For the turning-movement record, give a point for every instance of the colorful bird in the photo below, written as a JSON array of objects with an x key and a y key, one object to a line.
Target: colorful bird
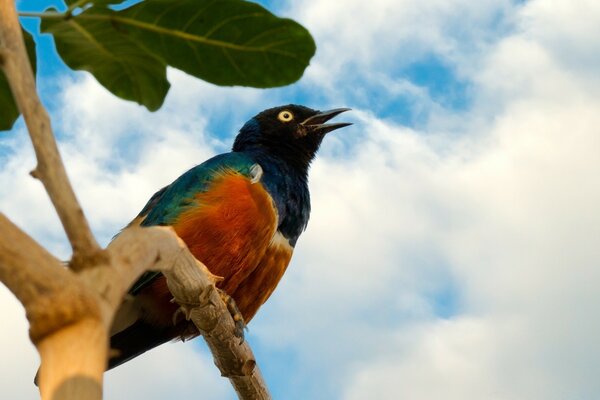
[{"x": 240, "y": 213}]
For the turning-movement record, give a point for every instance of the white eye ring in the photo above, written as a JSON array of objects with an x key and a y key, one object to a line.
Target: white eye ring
[{"x": 285, "y": 116}]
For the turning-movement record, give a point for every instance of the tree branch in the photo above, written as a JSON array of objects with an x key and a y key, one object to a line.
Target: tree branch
[
  {"x": 64, "y": 316},
  {"x": 51, "y": 294},
  {"x": 70, "y": 312},
  {"x": 192, "y": 286},
  {"x": 50, "y": 170}
]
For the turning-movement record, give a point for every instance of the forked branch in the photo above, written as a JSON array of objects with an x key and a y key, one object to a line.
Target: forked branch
[{"x": 70, "y": 311}]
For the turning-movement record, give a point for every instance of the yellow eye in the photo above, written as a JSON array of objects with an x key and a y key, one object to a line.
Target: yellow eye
[{"x": 285, "y": 116}]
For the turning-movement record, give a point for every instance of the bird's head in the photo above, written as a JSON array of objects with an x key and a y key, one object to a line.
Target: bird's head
[{"x": 293, "y": 133}]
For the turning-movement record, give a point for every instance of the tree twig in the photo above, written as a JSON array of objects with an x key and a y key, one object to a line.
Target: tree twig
[
  {"x": 192, "y": 286},
  {"x": 50, "y": 170},
  {"x": 41, "y": 283},
  {"x": 64, "y": 316},
  {"x": 70, "y": 312}
]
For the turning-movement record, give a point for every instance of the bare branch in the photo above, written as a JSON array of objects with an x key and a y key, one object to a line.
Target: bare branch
[
  {"x": 73, "y": 361},
  {"x": 50, "y": 170},
  {"x": 64, "y": 317},
  {"x": 192, "y": 286},
  {"x": 50, "y": 293},
  {"x": 70, "y": 312}
]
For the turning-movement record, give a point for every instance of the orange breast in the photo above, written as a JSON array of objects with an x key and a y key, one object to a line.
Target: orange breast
[
  {"x": 230, "y": 228},
  {"x": 259, "y": 285}
]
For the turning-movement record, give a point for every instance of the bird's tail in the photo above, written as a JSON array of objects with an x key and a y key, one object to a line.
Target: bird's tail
[{"x": 139, "y": 338}]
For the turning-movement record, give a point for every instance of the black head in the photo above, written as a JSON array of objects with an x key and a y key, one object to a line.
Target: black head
[{"x": 293, "y": 133}]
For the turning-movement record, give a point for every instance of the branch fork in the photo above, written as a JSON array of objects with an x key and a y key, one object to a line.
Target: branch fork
[{"x": 70, "y": 310}]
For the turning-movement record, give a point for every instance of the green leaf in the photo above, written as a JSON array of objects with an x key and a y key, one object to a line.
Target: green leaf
[
  {"x": 116, "y": 61},
  {"x": 226, "y": 42},
  {"x": 84, "y": 3},
  {"x": 8, "y": 108}
]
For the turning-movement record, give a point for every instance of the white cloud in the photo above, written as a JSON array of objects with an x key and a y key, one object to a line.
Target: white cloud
[
  {"x": 364, "y": 38},
  {"x": 20, "y": 359},
  {"x": 507, "y": 206},
  {"x": 568, "y": 32},
  {"x": 174, "y": 370}
]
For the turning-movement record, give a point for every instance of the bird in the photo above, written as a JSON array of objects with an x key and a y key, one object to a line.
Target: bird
[{"x": 240, "y": 213}]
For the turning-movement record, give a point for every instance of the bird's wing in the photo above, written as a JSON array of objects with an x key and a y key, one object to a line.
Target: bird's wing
[{"x": 168, "y": 204}]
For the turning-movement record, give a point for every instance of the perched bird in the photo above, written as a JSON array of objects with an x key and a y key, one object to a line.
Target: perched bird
[{"x": 240, "y": 213}]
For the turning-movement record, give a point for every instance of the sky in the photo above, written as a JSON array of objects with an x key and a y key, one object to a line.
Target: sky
[{"x": 452, "y": 250}]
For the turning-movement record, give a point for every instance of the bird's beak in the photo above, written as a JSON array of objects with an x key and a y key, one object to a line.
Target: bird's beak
[{"x": 317, "y": 123}]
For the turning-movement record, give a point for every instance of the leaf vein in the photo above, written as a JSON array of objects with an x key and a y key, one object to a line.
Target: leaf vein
[
  {"x": 226, "y": 21},
  {"x": 234, "y": 64},
  {"x": 87, "y": 35},
  {"x": 199, "y": 13},
  {"x": 175, "y": 33},
  {"x": 264, "y": 33}
]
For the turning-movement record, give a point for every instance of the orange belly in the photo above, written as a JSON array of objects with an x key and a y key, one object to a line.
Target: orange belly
[
  {"x": 258, "y": 286},
  {"x": 231, "y": 231}
]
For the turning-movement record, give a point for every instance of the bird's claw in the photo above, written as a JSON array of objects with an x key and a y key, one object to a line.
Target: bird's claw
[
  {"x": 237, "y": 316},
  {"x": 240, "y": 327}
]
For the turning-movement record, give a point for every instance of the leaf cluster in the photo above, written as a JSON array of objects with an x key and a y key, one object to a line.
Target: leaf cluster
[{"x": 225, "y": 42}]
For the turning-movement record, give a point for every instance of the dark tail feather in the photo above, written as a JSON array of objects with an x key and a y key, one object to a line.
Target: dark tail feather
[{"x": 139, "y": 338}]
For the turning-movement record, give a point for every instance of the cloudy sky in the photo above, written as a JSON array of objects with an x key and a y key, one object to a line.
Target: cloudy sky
[{"x": 453, "y": 250}]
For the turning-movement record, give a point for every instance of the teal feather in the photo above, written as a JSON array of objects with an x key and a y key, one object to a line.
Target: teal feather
[{"x": 165, "y": 206}]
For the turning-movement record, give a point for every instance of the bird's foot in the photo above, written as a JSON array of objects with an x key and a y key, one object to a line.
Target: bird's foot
[{"x": 237, "y": 316}]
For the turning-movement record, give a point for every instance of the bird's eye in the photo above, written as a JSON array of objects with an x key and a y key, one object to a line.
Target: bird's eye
[{"x": 285, "y": 116}]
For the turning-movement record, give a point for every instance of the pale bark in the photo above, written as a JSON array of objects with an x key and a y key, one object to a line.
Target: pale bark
[
  {"x": 50, "y": 169},
  {"x": 65, "y": 319},
  {"x": 70, "y": 313},
  {"x": 192, "y": 286},
  {"x": 70, "y": 310}
]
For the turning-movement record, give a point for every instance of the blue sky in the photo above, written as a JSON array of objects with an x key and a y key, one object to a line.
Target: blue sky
[{"x": 452, "y": 249}]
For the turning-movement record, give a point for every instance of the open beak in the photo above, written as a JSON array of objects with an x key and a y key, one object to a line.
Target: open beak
[{"x": 317, "y": 123}]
